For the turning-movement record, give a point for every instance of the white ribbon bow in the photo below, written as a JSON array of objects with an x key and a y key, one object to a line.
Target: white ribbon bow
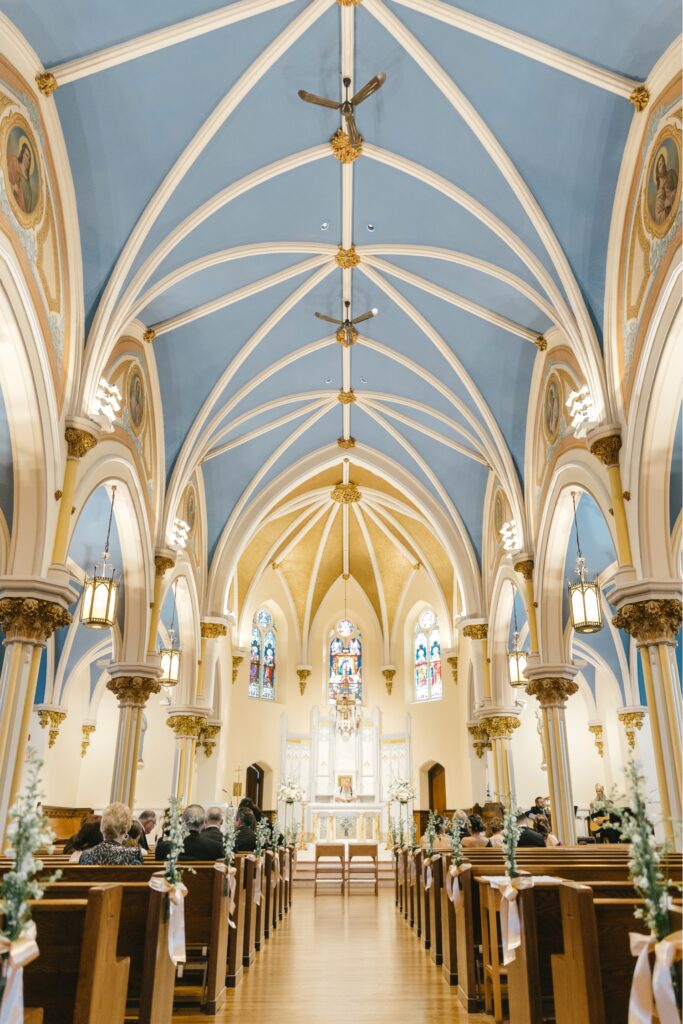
[
  {"x": 656, "y": 989},
  {"x": 428, "y": 876},
  {"x": 258, "y": 867},
  {"x": 413, "y": 872},
  {"x": 18, "y": 954},
  {"x": 231, "y": 879},
  {"x": 286, "y": 868},
  {"x": 510, "y": 927},
  {"x": 275, "y": 873},
  {"x": 176, "y": 916},
  {"x": 453, "y": 889}
]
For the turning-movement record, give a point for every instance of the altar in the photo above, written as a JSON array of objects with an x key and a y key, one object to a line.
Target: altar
[{"x": 352, "y": 821}]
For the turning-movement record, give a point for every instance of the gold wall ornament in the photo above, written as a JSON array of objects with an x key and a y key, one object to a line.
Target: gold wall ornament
[
  {"x": 342, "y": 336},
  {"x": 346, "y": 494},
  {"x": 607, "y": 449},
  {"x": 650, "y": 621},
  {"x": 186, "y": 726},
  {"x": 48, "y": 718},
  {"x": 480, "y": 738},
  {"x": 31, "y": 619},
  {"x": 540, "y": 343},
  {"x": 476, "y": 631},
  {"x": 78, "y": 442},
  {"x": 162, "y": 564},
  {"x": 237, "y": 660},
  {"x": 133, "y": 691},
  {"x": 47, "y": 83},
  {"x": 88, "y": 729},
  {"x": 640, "y": 97},
  {"x": 346, "y": 442},
  {"x": 453, "y": 662},
  {"x": 347, "y": 259},
  {"x": 551, "y": 692},
  {"x": 213, "y": 630},
  {"x": 500, "y": 726},
  {"x": 525, "y": 568},
  {"x": 149, "y": 335},
  {"x": 346, "y": 397},
  {"x": 208, "y": 737},
  {"x": 342, "y": 149},
  {"x": 632, "y": 721},
  {"x": 303, "y": 674},
  {"x": 597, "y": 731},
  {"x": 389, "y": 674},
  {"x": 346, "y": 575}
]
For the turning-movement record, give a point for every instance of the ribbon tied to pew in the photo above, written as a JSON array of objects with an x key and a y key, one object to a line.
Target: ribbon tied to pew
[
  {"x": 231, "y": 882},
  {"x": 176, "y": 919},
  {"x": 17, "y": 954},
  {"x": 510, "y": 927},
  {"x": 286, "y": 869},
  {"x": 275, "y": 873},
  {"x": 413, "y": 871},
  {"x": 401, "y": 870},
  {"x": 428, "y": 874},
  {"x": 453, "y": 890},
  {"x": 650, "y": 990},
  {"x": 258, "y": 869}
]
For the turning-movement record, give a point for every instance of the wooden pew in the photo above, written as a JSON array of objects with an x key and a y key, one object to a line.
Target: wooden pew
[
  {"x": 236, "y": 935},
  {"x": 468, "y": 941},
  {"x": 414, "y": 870},
  {"x": 423, "y": 897},
  {"x": 449, "y": 967},
  {"x": 78, "y": 977},
  {"x": 249, "y": 947},
  {"x": 281, "y": 901},
  {"x": 434, "y": 897}
]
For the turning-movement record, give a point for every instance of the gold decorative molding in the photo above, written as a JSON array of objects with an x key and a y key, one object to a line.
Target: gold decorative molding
[
  {"x": 346, "y": 397},
  {"x": 237, "y": 660},
  {"x": 525, "y": 568},
  {"x": 347, "y": 259},
  {"x": 186, "y": 727},
  {"x": 133, "y": 691},
  {"x": 540, "y": 343},
  {"x": 476, "y": 631},
  {"x": 640, "y": 97},
  {"x": 480, "y": 738},
  {"x": 346, "y": 494},
  {"x": 149, "y": 335},
  {"x": 650, "y": 621},
  {"x": 31, "y": 619},
  {"x": 303, "y": 674},
  {"x": 346, "y": 442},
  {"x": 607, "y": 449},
  {"x": 47, "y": 83},
  {"x": 162, "y": 563},
  {"x": 52, "y": 719},
  {"x": 389, "y": 674},
  {"x": 346, "y": 575},
  {"x": 552, "y": 692},
  {"x": 632, "y": 721},
  {"x": 213, "y": 630},
  {"x": 342, "y": 149},
  {"x": 87, "y": 731},
  {"x": 500, "y": 726},
  {"x": 349, "y": 3},
  {"x": 342, "y": 336},
  {"x": 453, "y": 662},
  {"x": 597, "y": 732},
  {"x": 208, "y": 737},
  {"x": 78, "y": 442}
]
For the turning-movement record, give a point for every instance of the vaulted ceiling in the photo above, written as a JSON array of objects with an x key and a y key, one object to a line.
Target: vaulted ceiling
[{"x": 211, "y": 208}]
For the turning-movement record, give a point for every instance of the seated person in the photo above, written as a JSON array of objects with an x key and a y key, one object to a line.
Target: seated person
[
  {"x": 495, "y": 831},
  {"x": 527, "y": 835},
  {"x": 135, "y": 835},
  {"x": 213, "y": 824},
  {"x": 442, "y": 840},
  {"x": 251, "y": 806},
  {"x": 477, "y": 836},
  {"x": 197, "y": 845},
  {"x": 543, "y": 829},
  {"x": 540, "y": 808},
  {"x": 88, "y": 835},
  {"x": 148, "y": 820},
  {"x": 245, "y": 830},
  {"x": 463, "y": 822},
  {"x": 116, "y": 820}
]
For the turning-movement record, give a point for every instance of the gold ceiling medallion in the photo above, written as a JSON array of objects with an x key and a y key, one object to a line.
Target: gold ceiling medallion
[
  {"x": 347, "y": 258},
  {"x": 346, "y": 442},
  {"x": 346, "y": 397},
  {"x": 47, "y": 83},
  {"x": 540, "y": 343},
  {"x": 346, "y": 575},
  {"x": 349, "y": 3},
  {"x": 640, "y": 97},
  {"x": 346, "y": 494},
  {"x": 342, "y": 149},
  {"x": 347, "y": 336},
  {"x": 149, "y": 335}
]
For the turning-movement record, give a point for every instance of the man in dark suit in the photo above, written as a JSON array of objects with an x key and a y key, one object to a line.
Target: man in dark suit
[
  {"x": 213, "y": 824},
  {"x": 197, "y": 845},
  {"x": 148, "y": 820},
  {"x": 528, "y": 835},
  {"x": 245, "y": 831}
]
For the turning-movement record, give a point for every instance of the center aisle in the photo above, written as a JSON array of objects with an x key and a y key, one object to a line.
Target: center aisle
[{"x": 339, "y": 960}]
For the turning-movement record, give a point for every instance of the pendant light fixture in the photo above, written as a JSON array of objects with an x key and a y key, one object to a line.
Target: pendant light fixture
[
  {"x": 584, "y": 595},
  {"x": 170, "y": 656},
  {"x": 516, "y": 658},
  {"x": 101, "y": 590}
]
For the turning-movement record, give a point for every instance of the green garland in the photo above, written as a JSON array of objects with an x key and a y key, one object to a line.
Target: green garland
[
  {"x": 511, "y": 833},
  {"x": 177, "y": 831}
]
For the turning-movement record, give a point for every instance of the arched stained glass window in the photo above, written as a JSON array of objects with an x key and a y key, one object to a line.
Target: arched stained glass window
[
  {"x": 263, "y": 656},
  {"x": 427, "y": 654},
  {"x": 346, "y": 662}
]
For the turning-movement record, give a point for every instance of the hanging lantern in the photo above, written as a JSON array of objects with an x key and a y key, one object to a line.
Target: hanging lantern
[
  {"x": 584, "y": 595},
  {"x": 170, "y": 656},
  {"x": 101, "y": 590},
  {"x": 516, "y": 658}
]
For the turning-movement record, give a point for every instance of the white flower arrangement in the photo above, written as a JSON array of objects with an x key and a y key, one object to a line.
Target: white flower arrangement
[
  {"x": 511, "y": 833},
  {"x": 645, "y": 859},
  {"x": 413, "y": 834},
  {"x": 402, "y": 790},
  {"x": 177, "y": 831},
  {"x": 393, "y": 832},
  {"x": 401, "y": 834},
  {"x": 229, "y": 838},
  {"x": 292, "y": 834},
  {"x": 288, "y": 792},
  {"x": 262, "y": 836},
  {"x": 456, "y": 840},
  {"x": 275, "y": 834},
  {"x": 431, "y": 833}
]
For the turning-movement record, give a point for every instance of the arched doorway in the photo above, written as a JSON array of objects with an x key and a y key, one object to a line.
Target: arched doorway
[
  {"x": 255, "y": 777},
  {"x": 436, "y": 777}
]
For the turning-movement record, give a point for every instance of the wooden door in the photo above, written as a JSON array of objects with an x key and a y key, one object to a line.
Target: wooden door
[
  {"x": 437, "y": 788},
  {"x": 255, "y": 784}
]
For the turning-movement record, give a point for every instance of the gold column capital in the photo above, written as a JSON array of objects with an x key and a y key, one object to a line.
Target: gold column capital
[
  {"x": 186, "y": 726},
  {"x": 607, "y": 449},
  {"x": 632, "y": 722},
  {"x": 303, "y": 672},
  {"x": 476, "y": 631},
  {"x": 78, "y": 442},
  {"x": 550, "y": 691},
  {"x": 499, "y": 726},
  {"x": 149, "y": 335},
  {"x": 51, "y": 718},
  {"x": 347, "y": 258},
  {"x": 213, "y": 630},
  {"x": 651, "y": 621},
  {"x": 133, "y": 691},
  {"x": 47, "y": 83},
  {"x": 640, "y": 97},
  {"x": 342, "y": 150},
  {"x": 31, "y": 618},
  {"x": 162, "y": 563},
  {"x": 525, "y": 567}
]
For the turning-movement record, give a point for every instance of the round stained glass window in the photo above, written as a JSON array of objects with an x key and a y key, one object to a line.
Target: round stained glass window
[
  {"x": 427, "y": 619},
  {"x": 345, "y": 627},
  {"x": 263, "y": 618}
]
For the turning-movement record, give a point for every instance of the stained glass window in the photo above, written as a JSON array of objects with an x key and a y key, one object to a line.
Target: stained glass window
[
  {"x": 427, "y": 650},
  {"x": 263, "y": 656},
  {"x": 346, "y": 663}
]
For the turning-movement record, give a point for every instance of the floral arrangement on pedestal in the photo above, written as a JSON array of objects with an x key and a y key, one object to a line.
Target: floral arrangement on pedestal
[
  {"x": 402, "y": 790},
  {"x": 511, "y": 833},
  {"x": 289, "y": 793},
  {"x": 27, "y": 832}
]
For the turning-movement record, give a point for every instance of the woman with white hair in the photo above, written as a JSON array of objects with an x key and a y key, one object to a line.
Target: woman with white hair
[{"x": 116, "y": 820}]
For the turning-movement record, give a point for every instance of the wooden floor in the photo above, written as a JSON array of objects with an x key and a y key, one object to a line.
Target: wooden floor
[{"x": 342, "y": 959}]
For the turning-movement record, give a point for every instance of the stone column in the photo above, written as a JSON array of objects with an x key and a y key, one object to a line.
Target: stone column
[
  {"x": 187, "y": 724},
  {"x": 499, "y": 727},
  {"x": 132, "y": 685},
  {"x": 525, "y": 567},
  {"x": 210, "y": 631},
  {"x": 478, "y": 633},
  {"x": 650, "y": 611},
  {"x": 81, "y": 436},
  {"x": 552, "y": 685},
  {"x": 605, "y": 443},
  {"x": 31, "y": 610},
  {"x": 163, "y": 561}
]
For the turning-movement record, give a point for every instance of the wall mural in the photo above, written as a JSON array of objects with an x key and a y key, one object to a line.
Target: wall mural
[{"x": 553, "y": 433}]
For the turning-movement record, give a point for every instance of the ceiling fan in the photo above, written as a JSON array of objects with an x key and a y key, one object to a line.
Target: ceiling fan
[
  {"x": 347, "y": 105},
  {"x": 347, "y": 325}
]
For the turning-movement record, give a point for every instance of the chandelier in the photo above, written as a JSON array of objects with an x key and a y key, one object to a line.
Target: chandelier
[
  {"x": 170, "y": 656},
  {"x": 516, "y": 658},
  {"x": 101, "y": 590},
  {"x": 584, "y": 595}
]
